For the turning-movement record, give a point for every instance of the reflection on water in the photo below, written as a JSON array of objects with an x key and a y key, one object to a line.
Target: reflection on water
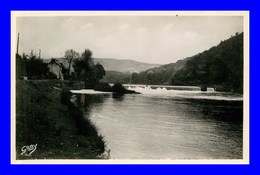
[
  {"x": 118, "y": 97},
  {"x": 152, "y": 127},
  {"x": 88, "y": 100}
]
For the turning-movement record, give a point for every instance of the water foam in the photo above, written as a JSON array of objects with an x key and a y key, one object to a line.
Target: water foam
[{"x": 186, "y": 92}]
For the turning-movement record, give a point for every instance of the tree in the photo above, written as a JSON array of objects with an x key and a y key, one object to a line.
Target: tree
[
  {"x": 79, "y": 66},
  {"x": 31, "y": 66},
  {"x": 88, "y": 67},
  {"x": 150, "y": 77},
  {"x": 87, "y": 57},
  {"x": 21, "y": 66},
  {"x": 99, "y": 72},
  {"x": 69, "y": 56},
  {"x": 86, "y": 70},
  {"x": 134, "y": 78},
  {"x": 36, "y": 68}
]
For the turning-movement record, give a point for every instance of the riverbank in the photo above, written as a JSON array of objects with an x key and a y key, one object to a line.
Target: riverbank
[{"x": 59, "y": 129}]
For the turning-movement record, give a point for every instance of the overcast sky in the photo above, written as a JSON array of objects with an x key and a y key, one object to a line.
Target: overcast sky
[{"x": 151, "y": 39}]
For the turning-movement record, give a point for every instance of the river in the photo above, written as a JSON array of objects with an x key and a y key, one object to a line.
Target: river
[{"x": 163, "y": 123}]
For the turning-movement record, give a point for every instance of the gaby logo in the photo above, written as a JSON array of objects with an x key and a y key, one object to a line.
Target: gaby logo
[{"x": 28, "y": 150}]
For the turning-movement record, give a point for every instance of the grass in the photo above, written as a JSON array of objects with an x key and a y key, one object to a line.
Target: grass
[{"x": 59, "y": 129}]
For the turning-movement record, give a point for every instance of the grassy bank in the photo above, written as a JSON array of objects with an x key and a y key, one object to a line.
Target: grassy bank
[{"x": 58, "y": 128}]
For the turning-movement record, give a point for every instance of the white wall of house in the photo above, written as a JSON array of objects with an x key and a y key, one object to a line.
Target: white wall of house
[{"x": 56, "y": 69}]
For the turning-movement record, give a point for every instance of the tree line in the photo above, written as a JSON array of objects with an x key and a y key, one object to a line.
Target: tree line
[
  {"x": 31, "y": 66},
  {"x": 220, "y": 67}
]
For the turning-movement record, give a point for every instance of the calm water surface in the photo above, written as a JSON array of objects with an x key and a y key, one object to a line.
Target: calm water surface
[{"x": 168, "y": 124}]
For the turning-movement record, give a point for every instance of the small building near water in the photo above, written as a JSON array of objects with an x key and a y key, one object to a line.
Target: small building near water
[{"x": 56, "y": 67}]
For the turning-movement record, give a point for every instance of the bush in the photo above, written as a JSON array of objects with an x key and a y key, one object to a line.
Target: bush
[
  {"x": 41, "y": 119},
  {"x": 103, "y": 87},
  {"x": 118, "y": 88},
  {"x": 65, "y": 96}
]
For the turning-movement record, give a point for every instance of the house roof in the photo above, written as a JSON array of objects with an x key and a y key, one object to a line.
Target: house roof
[{"x": 54, "y": 61}]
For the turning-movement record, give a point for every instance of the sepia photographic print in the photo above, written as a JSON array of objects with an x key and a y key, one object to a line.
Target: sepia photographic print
[{"x": 136, "y": 87}]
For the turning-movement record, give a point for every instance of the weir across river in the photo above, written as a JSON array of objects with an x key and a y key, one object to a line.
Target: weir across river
[{"x": 166, "y": 87}]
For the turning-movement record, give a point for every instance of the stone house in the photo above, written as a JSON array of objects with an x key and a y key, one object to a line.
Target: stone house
[{"x": 56, "y": 67}]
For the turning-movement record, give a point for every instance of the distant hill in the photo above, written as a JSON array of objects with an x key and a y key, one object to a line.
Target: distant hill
[
  {"x": 117, "y": 65},
  {"x": 220, "y": 66},
  {"x": 124, "y": 65},
  {"x": 158, "y": 75}
]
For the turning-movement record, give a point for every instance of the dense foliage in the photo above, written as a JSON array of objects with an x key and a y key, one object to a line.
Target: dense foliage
[
  {"x": 157, "y": 75},
  {"x": 70, "y": 55},
  {"x": 114, "y": 77},
  {"x": 31, "y": 67},
  {"x": 45, "y": 116},
  {"x": 87, "y": 71},
  {"x": 220, "y": 67},
  {"x": 84, "y": 69}
]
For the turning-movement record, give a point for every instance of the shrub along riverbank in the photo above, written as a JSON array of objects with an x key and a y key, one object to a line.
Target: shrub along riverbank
[{"x": 46, "y": 117}]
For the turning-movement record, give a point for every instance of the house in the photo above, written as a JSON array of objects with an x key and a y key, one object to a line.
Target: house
[{"x": 56, "y": 67}]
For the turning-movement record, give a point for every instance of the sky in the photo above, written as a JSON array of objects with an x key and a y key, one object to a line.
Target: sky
[{"x": 150, "y": 39}]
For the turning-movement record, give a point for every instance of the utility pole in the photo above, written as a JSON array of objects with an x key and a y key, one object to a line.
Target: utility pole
[
  {"x": 39, "y": 53},
  {"x": 85, "y": 58},
  {"x": 17, "y": 48}
]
